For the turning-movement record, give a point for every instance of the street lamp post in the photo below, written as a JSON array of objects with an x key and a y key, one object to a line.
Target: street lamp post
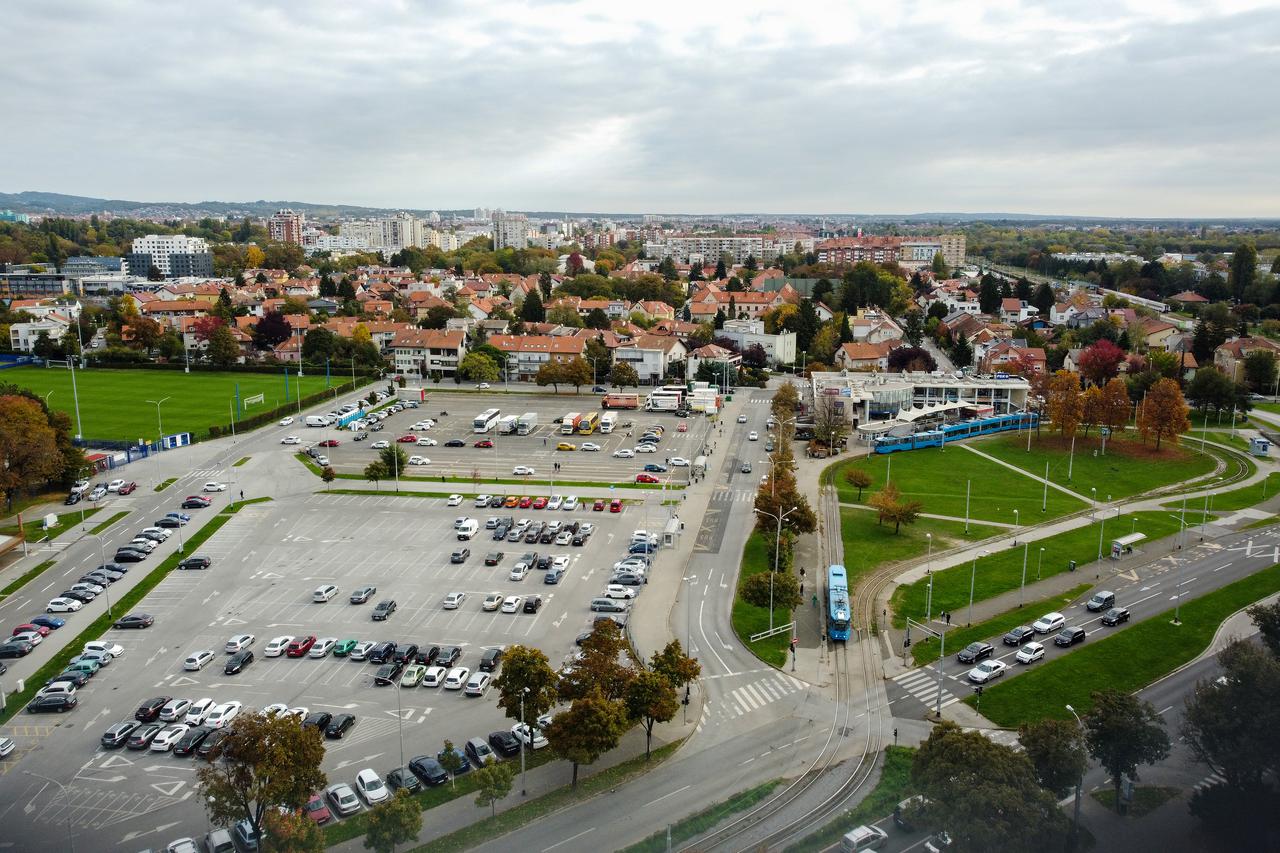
[
  {"x": 1075, "y": 820},
  {"x": 1039, "y": 563},
  {"x": 399, "y": 725},
  {"x": 777, "y": 539},
  {"x": 928, "y": 602},
  {"x": 973, "y": 576},
  {"x": 524, "y": 791},
  {"x": 159, "y": 421},
  {"x": 102, "y": 554},
  {"x": 1022, "y": 590},
  {"x": 71, "y": 843}
]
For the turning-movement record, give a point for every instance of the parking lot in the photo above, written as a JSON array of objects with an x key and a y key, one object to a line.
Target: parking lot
[
  {"x": 537, "y": 450},
  {"x": 267, "y": 561}
]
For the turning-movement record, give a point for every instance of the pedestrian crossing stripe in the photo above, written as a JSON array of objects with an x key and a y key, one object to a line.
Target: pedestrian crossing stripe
[
  {"x": 923, "y": 685},
  {"x": 756, "y": 694},
  {"x": 1209, "y": 781}
]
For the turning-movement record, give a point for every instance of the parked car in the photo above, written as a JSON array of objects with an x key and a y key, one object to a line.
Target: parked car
[
  {"x": 1049, "y": 623},
  {"x": 1069, "y": 637}
]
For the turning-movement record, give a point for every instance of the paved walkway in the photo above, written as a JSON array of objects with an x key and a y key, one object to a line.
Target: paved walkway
[{"x": 975, "y": 451}]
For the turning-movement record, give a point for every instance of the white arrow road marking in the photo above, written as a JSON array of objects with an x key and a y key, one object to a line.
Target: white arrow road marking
[
  {"x": 139, "y": 833},
  {"x": 157, "y": 654},
  {"x": 169, "y": 788}
]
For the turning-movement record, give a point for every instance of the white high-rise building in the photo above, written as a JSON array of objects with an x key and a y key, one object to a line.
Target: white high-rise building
[
  {"x": 161, "y": 249},
  {"x": 510, "y": 231}
]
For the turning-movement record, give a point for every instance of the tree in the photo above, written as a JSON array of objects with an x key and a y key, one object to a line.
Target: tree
[
  {"x": 44, "y": 346},
  {"x": 1260, "y": 371},
  {"x": 327, "y": 476},
  {"x": 1092, "y": 408},
  {"x": 1043, "y": 298},
  {"x": 939, "y": 266},
  {"x": 291, "y": 832},
  {"x": 1244, "y": 270},
  {"x": 785, "y": 401},
  {"x": 393, "y": 459},
  {"x": 623, "y": 375},
  {"x": 271, "y": 330},
  {"x": 961, "y": 352},
  {"x": 599, "y": 670},
  {"x": 478, "y": 367},
  {"x": 893, "y": 507},
  {"x": 202, "y": 328},
  {"x": 318, "y": 345},
  {"x": 829, "y": 423},
  {"x": 551, "y": 373},
  {"x": 650, "y": 699},
  {"x": 859, "y": 478},
  {"x": 1115, "y": 404},
  {"x": 676, "y": 666},
  {"x": 590, "y": 728},
  {"x": 721, "y": 271},
  {"x": 1056, "y": 752},
  {"x": 1062, "y": 402},
  {"x": 29, "y": 446},
  {"x": 565, "y": 315},
  {"x": 1163, "y": 414},
  {"x": 1211, "y": 388},
  {"x": 437, "y": 317},
  {"x": 577, "y": 372},
  {"x": 597, "y": 319},
  {"x": 777, "y": 497},
  {"x": 146, "y": 333},
  {"x": 988, "y": 294},
  {"x": 223, "y": 349},
  {"x": 397, "y": 820},
  {"x": 451, "y": 759},
  {"x": 266, "y": 762},
  {"x": 531, "y": 310},
  {"x": 1101, "y": 361},
  {"x": 755, "y": 356},
  {"x": 755, "y": 590},
  {"x": 1267, "y": 618},
  {"x": 913, "y": 326},
  {"x": 526, "y": 672},
  {"x": 911, "y": 358},
  {"x": 1123, "y": 732},
  {"x": 169, "y": 346},
  {"x": 375, "y": 472},
  {"x": 224, "y": 308},
  {"x": 493, "y": 783}
]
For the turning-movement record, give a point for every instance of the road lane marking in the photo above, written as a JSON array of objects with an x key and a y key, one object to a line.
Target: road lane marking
[
  {"x": 567, "y": 840},
  {"x": 664, "y": 796}
]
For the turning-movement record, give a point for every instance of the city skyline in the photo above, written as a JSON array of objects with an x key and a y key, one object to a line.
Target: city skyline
[{"x": 1134, "y": 111}]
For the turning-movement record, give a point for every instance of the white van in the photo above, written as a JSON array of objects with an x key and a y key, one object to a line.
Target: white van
[
  {"x": 317, "y": 420},
  {"x": 467, "y": 529}
]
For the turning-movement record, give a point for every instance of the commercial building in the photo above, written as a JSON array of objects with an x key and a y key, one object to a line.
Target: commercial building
[
  {"x": 285, "y": 226},
  {"x": 888, "y": 398},
  {"x": 175, "y": 255},
  {"x": 652, "y": 356},
  {"x": 779, "y": 349}
]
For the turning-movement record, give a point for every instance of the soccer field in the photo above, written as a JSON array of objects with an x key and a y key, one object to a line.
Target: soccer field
[{"x": 113, "y": 403}]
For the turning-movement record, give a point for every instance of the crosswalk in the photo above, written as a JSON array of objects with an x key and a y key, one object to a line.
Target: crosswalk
[
  {"x": 923, "y": 685},
  {"x": 733, "y": 496},
  {"x": 1208, "y": 782},
  {"x": 758, "y": 693}
]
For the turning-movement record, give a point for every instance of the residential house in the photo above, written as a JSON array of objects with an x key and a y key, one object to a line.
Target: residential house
[
  {"x": 1150, "y": 333},
  {"x": 23, "y": 336},
  {"x": 1005, "y": 354},
  {"x": 864, "y": 356},
  {"x": 168, "y": 313},
  {"x": 1230, "y": 356},
  {"x": 527, "y": 353},
  {"x": 1016, "y": 310},
  {"x": 424, "y": 352},
  {"x": 712, "y": 353},
  {"x": 872, "y": 327},
  {"x": 778, "y": 349},
  {"x": 1062, "y": 312},
  {"x": 652, "y": 356}
]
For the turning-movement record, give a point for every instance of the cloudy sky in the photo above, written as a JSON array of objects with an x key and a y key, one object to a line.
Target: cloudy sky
[{"x": 1144, "y": 108}]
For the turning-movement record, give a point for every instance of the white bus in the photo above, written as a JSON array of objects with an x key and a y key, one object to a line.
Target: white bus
[
  {"x": 486, "y": 420},
  {"x": 608, "y": 421}
]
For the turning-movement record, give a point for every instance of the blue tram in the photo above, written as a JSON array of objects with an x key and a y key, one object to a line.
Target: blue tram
[
  {"x": 837, "y": 603},
  {"x": 953, "y": 432}
]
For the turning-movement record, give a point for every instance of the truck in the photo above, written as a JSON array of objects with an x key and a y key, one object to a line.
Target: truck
[
  {"x": 620, "y": 401},
  {"x": 527, "y": 423},
  {"x": 608, "y": 421},
  {"x": 508, "y": 424},
  {"x": 662, "y": 403},
  {"x": 569, "y": 423},
  {"x": 699, "y": 466}
]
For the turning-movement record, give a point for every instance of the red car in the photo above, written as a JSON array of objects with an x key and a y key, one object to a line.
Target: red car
[
  {"x": 484, "y": 442},
  {"x": 408, "y": 439},
  {"x": 539, "y": 503},
  {"x": 299, "y": 647},
  {"x": 329, "y": 442},
  {"x": 127, "y": 488},
  {"x": 317, "y": 810},
  {"x": 684, "y": 427},
  {"x": 615, "y": 505},
  {"x": 598, "y": 506},
  {"x": 525, "y": 502},
  {"x": 39, "y": 629},
  {"x": 646, "y": 478}
]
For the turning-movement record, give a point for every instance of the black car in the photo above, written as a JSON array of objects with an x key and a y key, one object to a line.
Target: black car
[
  {"x": 580, "y": 538},
  {"x": 339, "y": 726},
  {"x": 167, "y": 522},
  {"x": 1115, "y": 616},
  {"x": 532, "y": 603},
  {"x": 384, "y": 609},
  {"x": 317, "y": 720},
  {"x": 490, "y": 660},
  {"x": 112, "y": 567},
  {"x": 405, "y": 654},
  {"x": 15, "y": 649},
  {"x": 116, "y": 736},
  {"x": 1018, "y": 636},
  {"x": 449, "y": 655},
  {"x": 192, "y": 740},
  {"x": 582, "y": 638},
  {"x": 455, "y": 442},
  {"x": 381, "y": 653},
  {"x": 599, "y": 389},
  {"x": 128, "y": 555},
  {"x": 79, "y": 678},
  {"x": 427, "y": 655},
  {"x": 72, "y": 499},
  {"x": 135, "y": 620},
  {"x": 195, "y": 503},
  {"x": 388, "y": 673},
  {"x": 78, "y": 595},
  {"x": 428, "y": 770},
  {"x": 212, "y": 744},
  {"x": 195, "y": 563},
  {"x": 553, "y": 576},
  {"x": 500, "y": 532},
  {"x": 464, "y": 763},
  {"x": 544, "y": 562},
  {"x": 402, "y": 777},
  {"x": 238, "y": 661},
  {"x": 143, "y": 735},
  {"x": 504, "y": 743},
  {"x": 150, "y": 709},
  {"x": 363, "y": 594},
  {"x": 496, "y": 501},
  {"x": 975, "y": 652},
  {"x": 493, "y": 558},
  {"x": 57, "y": 703},
  {"x": 1069, "y": 637}
]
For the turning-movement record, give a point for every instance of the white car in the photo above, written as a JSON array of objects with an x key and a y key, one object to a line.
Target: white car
[
  {"x": 371, "y": 787},
  {"x": 286, "y": 421},
  {"x": 276, "y": 647},
  {"x": 63, "y": 605},
  {"x": 742, "y": 419},
  {"x": 453, "y": 600},
  {"x": 425, "y": 442},
  {"x": 58, "y": 688},
  {"x": 103, "y": 646},
  {"x": 168, "y": 736},
  {"x": 214, "y": 487},
  {"x": 518, "y": 572},
  {"x": 198, "y": 711},
  {"x": 143, "y": 544},
  {"x": 419, "y": 460},
  {"x": 360, "y": 651},
  {"x": 482, "y": 501},
  {"x": 492, "y": 601},
  {"x": 322, "y": 647},
  {"x": 380, "y": 445},
  {"x": 679, "y": 462},
  {"x": 98, "y": 493},
  {"x": 1049, "y": 623},
  {"x": 324, "y": 593},
  {"x": 157, "y": 531},
  {"x": 174, "y": 710},
  {"x": 299, "y": 713},
  {"x": 197, "y": 661},
  {"x": 32, "y": 637},
  {"x": 646, "y": 448},
  {"x": 322, "y": 460},
  {"x": 617, "y": 590},
  {"x": 988, "y": 670},
  {"x": 434, "y": 676},
  {"x": 114, "y": 485},
  {"x": 589, "y": 447},
  {"x": 530, "y": 737},
  {"x": 275, "y": 709},
  {"x": 478, "y": 684},
  {"x": 511, "y": 604},
  {"x": 522, "y": 471},
  {"x": 570, "y": 503},
  {"x": 1029, "y": 653},
  {"x": 182, "y": 845},
  {"x": 456, "y": 678},
  {"x": 753, "y": 436},
  {"x": 343, "y": 799},
  {"x": 483, "y": 386},
  {"x": 624, "y": 453},
  {"x": 564, "y": 537},
  {"x": 238, "y": 643},
  {"x": 555, "y": 502},
  {"x": 560, "y": 561},
  {"x": 454, "y": 500},
  {"x": 291, "y": 439},
  {"x": 223, "y": 714}
]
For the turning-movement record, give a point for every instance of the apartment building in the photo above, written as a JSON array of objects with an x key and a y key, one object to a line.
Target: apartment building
[
  {"x": 527, "y": 353},
  {"x": 911, "y": 253},
  {"x": 285, "y": 226},
  {"x": 510, "y": 231},
  {"x": 423, "y": 352},
  {"x": 175, "y": 255}
]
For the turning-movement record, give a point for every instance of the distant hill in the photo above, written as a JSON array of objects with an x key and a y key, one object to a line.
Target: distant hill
[{"x": 58, "y": 203}]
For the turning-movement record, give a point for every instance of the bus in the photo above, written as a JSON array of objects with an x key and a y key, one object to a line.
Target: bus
[
  {"x": 590, "y": 421},
  {"x": 837, "y": 603},
  {"x": 486, "y": 420}
]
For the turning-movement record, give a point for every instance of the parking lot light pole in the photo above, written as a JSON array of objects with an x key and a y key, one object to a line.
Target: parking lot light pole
[
  {"x": 71, "y": 843},
  {"x": 524, "y": 791},
  {"x": 1039, "y": 563},
  {"x": 159, "y": 421},
  {"x": 1075, "y": 820},
  {"x": 102, "y": 553},
  {"x": 1022, "y": 590},
  {"x": 973, "y": 575}
]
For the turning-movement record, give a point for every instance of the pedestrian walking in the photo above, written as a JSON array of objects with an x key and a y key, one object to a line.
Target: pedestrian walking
[
  {"x": 948, "y": 617},
  {"x": 242, "y": 494}
]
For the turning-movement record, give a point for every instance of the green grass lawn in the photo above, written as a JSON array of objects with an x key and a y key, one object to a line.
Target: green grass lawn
[
  {"x": 1241, "y": 498},
  {"x": 113, "y": 402},
  {"x": 925, "y": 650},
  {"x": 937, "y": 478},
  {"x": 1128, "y": 468},
  {"x": 893, "y": 787},
  {"x": 1146, "y": 799},
  {"x": 749, "y": 619},
  {"x": 1220, "y": 421},
  {"x": 1001, "y": 571},
  {"x": 33, "y": 525},
  {"x": 868, "y": 544},
  {"x": 1127, "y": 660}
]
